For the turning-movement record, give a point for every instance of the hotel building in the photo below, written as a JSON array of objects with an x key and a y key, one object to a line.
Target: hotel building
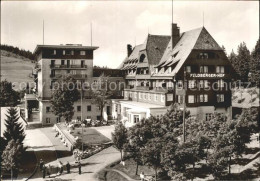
[
  {"x": 188, "y": 66},
  {"x": 54, "y": 62}
]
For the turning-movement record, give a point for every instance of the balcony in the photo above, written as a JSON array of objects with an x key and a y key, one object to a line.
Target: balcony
[
  {"x": 55, "y": 66},
  {"x": 75, "y": 76}
]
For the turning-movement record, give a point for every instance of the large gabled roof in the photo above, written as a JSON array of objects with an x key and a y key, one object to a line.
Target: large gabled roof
[{"x": 190, "y": 40}]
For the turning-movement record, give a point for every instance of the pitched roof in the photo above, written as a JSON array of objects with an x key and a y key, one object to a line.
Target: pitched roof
[
  {"x": 155, "y": 47},
  {"x": 194, "y": 39},
  {"x": 181, "y": 50},
  {"x": 206, "y": 42}
]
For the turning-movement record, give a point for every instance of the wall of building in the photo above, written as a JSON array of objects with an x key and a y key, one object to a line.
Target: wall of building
[{"x": 93, "y": 114}]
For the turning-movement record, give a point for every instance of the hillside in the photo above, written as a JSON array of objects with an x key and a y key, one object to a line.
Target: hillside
[{"x": 15, "y": 68}]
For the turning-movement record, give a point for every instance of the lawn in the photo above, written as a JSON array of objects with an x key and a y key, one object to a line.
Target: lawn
[
  {"x": 130, "y": 169},
  {"x": 90, "y": 136},
  {"x": 15, "y": 68},
  {"x": 110, "y": 175}
]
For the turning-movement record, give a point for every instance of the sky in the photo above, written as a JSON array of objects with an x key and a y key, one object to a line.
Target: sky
[{"x": 118, "y": 23}]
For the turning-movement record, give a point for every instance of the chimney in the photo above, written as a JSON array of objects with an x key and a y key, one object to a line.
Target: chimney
[
  {"x": 129, "y": 50},
  {"x": 175, "y": 34}
]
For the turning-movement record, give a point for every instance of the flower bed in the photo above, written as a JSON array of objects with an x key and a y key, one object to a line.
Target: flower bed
[{"x": 89, "y": 151}]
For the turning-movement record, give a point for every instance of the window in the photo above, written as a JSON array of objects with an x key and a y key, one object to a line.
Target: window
[
  {"x": 220, "y": 69},
  {"x": 48, "y": 120},
  {"x": 155, "y": 97},
  {"x": 220, "y": 97},
  {"x": 203, "y": 69},
  {"x": 68, "y": 71},
  {"x": 82, "y": 52},
  {"x": 188, "y": 69},
  {"x": 221, "y": 83},
  {"x": 78, "y": 108},
  {"x": 203, "y": 56},
  {"x": 57, "y": 119},
  {"x": 52, "y": 63},
  {"x": 169, "y": 70},
  {"x": 145, "y": 95},
  {"x": 136, "y": 118},
  {"x": 82, "y": 63},
  {"x": 63, "y": 52},
  {"x": 74, "y": 72},
  {"x": 140, "y": 96},
  {"x": 126, "y": 94},
  {"x": 142, "y": 57},
  {"x": 48, "y": 109},
  {"x": 162, "y": 70},
  {"x": 191, "y": 84},
  {"x": 89, "y": 108},
  {"x": 209, "y": 116},
  {"x": 180, "y": 84},
  {"x": 79, "y": 118},
  {"x": 62, "y": 62},
  {"x": 191, "y": 99},
  {"x": 180, "y": 99},
  {"x": 135, "y": 94},
  {"x": 156, "y": 70},
  {"x": 203, "y": 83},
  {"x": 206, "y": 83},
  {"x": 162, "y": 98},
  {"x": 72, "y": 52},
  {"x": 203, "y": 98},
  {"x": 169, "y": 97},
  {"x": 54, "y": 52}
]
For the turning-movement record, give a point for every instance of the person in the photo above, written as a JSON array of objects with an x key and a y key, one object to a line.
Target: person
[
  {"x": 49, "y": 170},
  {"x": 61, "y": 168},
  {"x": 142, "y": 176},
  {"x": 43, "y": 171},
  {"x": 68, "y": 167},
  {"x": 41, "y": 164},
  {"x": 79, "y": 165}
]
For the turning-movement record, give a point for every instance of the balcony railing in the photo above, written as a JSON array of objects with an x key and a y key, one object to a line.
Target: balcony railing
[
  {"x": 55, "y": 66},
  {"x": 75, "y": 76}
]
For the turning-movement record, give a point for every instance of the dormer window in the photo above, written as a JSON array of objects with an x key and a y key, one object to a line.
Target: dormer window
[
  {"x": 174, "y": 55},
  {"x": 142, "y": 57},
  {"x": 188, "y": 69},
  {"x": 162, "y": 70},
  {"x": 169, "y": 70},
  {"x": 156, "y": 70}
]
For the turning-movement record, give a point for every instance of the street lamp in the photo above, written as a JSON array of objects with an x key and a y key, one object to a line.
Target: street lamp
[
  {"x": 81, "y": 114},
  {"x": 184, "y": 104}
]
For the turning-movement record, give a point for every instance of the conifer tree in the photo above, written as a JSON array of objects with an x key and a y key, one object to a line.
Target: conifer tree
[
  {"x": 14, "y": 129},
  {"x": 243, "y": 59},
  {"x": 255, "y": 65},
  {"x": 233, "y": 60}
]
